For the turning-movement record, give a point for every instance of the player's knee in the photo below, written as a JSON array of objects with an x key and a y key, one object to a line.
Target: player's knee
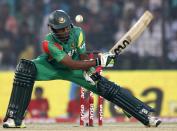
[
  {"x": 25, "y": 73},
  {"x": 27, "y": 67}
]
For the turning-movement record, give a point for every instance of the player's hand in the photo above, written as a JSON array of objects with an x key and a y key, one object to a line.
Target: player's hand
[
  {"x": 105, "y": 59},
  {"x": 89, "y": 74}
]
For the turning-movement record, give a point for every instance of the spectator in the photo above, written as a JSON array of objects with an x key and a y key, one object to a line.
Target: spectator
[
  {"x": 6, "y": 46},
  {"x": 103, "y": 22},
  {"x": 38, "y": 107},
  {"x": 73, "y": 108}
]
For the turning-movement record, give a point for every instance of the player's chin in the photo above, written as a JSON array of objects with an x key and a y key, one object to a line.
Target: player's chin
[{"x": 64, "y": 38}]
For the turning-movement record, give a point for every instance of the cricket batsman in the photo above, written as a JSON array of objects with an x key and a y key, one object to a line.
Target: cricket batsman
[{"x": 64, "y": 58}]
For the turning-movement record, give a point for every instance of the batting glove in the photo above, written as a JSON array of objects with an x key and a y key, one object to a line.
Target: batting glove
[{"x": 105, "y": 59}]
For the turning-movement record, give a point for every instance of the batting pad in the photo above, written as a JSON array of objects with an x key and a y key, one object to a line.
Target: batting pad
[
  {"x": 122, "y": 98},
  {"x": 22, "y": 89}
]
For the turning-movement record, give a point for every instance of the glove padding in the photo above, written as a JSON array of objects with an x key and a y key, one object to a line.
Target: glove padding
[
  {"x": 88, "y": 78},
  {"x": 105, "y": 59},
  {"x": 87, "y": 75}
]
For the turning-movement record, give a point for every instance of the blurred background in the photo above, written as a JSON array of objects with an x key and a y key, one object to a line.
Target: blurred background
[{"x": 147, "y": 68}]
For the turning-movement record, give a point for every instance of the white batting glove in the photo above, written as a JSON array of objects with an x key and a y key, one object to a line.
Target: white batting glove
[
  {"x": 105, "y": 59},
  {"x": 88, "y": 78}
]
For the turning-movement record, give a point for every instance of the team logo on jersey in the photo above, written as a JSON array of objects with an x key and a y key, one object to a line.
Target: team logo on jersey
[
  {"x": 82, "y": 46},
  {"x": 72, "y": 52},
  {"x": 72, "y": 46},
  {"x": 61, "y": 20}
]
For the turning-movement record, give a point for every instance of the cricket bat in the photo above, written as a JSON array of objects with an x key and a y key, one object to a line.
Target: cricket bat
[{"x": 133, "y": 33}]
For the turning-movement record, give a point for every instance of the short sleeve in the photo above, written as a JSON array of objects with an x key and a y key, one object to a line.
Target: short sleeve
[
  {"x": 55, "y": 50},
  {"x": 81, "y": 43}
]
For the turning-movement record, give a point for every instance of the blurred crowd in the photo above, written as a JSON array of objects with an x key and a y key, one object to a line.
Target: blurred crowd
[{"x": 23, "y": 25}]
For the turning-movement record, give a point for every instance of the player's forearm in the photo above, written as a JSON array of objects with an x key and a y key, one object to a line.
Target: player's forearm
[
  {"x": 84, "y": 65},
  {"x": 78, "y": 65},
  {"x": 84, "y": 57}
]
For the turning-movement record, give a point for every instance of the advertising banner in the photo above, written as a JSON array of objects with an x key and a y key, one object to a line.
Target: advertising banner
[{"x": 156, "y": 88}]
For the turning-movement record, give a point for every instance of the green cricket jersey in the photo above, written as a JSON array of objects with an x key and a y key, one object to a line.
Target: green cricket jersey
[
  {"x": 55, "y": 50},
  {"x": 49, "y": 66}
]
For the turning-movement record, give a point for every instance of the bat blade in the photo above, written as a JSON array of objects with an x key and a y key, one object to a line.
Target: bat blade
[{"x": 134, "y": 32}]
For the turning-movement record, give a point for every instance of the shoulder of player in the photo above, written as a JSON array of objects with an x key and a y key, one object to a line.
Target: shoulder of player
[
  {"x": 79, "y": 35},
  {"x": 76, "y": 30},
  {"x": 48, "y": 37},
  {"x": 49, "y": 42}
]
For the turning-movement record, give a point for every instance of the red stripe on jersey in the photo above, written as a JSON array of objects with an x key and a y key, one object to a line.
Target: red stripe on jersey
[
  {"x": 45, "y": 46},
  {"x": 58, "y": 46}
]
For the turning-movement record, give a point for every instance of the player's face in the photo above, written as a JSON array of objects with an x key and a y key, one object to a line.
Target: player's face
[{"x": 62, "y": 34}]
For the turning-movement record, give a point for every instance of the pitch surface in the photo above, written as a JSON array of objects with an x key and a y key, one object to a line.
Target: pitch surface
[{"x": 105, "y": 127}]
